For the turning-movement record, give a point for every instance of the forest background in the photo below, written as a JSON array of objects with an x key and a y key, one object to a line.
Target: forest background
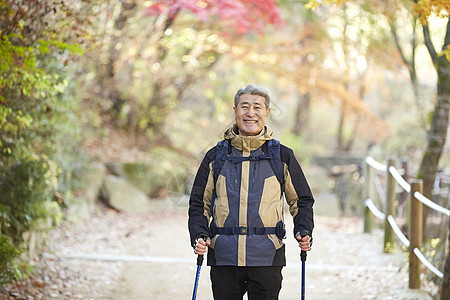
[{"x": 152, "y": 82}]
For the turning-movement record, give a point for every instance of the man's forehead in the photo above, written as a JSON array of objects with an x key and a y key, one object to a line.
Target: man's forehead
[{"x": 247, "y": 98}]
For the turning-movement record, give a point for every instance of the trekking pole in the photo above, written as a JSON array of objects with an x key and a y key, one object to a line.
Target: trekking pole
[
  {"x": 197, "y": 276},
  {"x": 303, "y": 259}
]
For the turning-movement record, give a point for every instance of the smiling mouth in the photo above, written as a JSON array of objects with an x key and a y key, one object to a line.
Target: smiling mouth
[{"x": 250, "y": 121}]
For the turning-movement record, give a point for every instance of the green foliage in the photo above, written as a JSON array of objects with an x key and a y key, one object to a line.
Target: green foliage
[
  {"x": 8, "y": 270},
  {"x": 23, "y": 79},
  {"x": 23, "y": 188},
  {"x": 38, "y": 126}
]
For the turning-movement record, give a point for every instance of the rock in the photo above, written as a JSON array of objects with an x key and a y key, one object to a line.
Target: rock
[
  {"x": 121, "y": 195},
  {"x": 152, "y": 182},
  {"x": 94, "y": 179},
  {"x": 140, "y": 175},
  {"x": 83, "y": 205},
  {"x": 114, "y": 168}
]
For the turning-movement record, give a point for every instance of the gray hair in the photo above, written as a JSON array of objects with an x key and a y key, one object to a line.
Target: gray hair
[{"x": 252, "y": 89}]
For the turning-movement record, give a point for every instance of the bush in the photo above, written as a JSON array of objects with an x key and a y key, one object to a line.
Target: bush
[
  {"x": 7, "y": 254},
  {"x": 23, "y": 189},
  {"x": 37, "y": 125}
]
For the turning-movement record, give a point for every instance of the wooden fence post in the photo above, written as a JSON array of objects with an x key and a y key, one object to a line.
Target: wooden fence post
[
  {"x": 390, "y": 208},
  {"x": 368, "y": 194},
  {"x": 416, "y": 235}
]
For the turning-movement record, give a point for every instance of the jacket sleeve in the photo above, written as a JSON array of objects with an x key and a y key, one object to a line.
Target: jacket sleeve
[
  {"x": 297, "y": 192},
  {"x": 200, "y": 198}
]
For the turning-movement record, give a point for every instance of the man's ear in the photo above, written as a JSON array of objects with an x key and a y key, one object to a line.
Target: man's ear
[{"x": 268, "y": 111}]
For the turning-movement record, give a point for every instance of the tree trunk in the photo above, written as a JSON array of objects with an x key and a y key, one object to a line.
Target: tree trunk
[
  {"x": 438, "y": 131},
  {"x": 437, "y": 140},
  {"x": 411, "y": 65},
  {"x": 111, "y": 91},
  {"x": 158, "y": 103},
  {"x": 340, "y": 133},
  {"x": 302, "y": 113}
]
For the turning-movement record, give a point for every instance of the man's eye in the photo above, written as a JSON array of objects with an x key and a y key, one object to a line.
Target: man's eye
[{"x": 244, "y": 106}]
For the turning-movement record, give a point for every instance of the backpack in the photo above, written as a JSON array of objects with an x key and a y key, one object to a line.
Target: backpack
[{"x": 273, "y": 155}]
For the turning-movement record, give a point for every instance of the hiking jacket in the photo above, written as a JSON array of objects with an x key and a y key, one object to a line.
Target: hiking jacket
[{"x": 248, "y": 196}]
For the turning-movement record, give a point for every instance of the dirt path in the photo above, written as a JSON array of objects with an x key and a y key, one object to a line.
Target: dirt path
[
  {"x": 344, "y": 264},
  {"x": 118, "y": 256}
]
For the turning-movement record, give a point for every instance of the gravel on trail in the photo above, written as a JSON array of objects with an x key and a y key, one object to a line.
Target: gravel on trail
[{"x": 148, "y": 256}]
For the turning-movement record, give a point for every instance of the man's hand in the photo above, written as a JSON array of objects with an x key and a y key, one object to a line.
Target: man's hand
[
  {"x": 201, "y": 247},
  {"x": 304, "y": 242}
]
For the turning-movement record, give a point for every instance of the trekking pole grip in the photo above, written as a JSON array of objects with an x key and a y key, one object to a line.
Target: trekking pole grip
[
  {"x": 200, "y": 257},
  {"x": 303, "y": 254}
]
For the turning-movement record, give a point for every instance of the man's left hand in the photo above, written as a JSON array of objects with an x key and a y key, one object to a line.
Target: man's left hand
[{"x": 304, "y": 242}]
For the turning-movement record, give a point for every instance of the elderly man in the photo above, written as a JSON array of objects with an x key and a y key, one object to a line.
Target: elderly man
[{"x": 236, "y": 209}]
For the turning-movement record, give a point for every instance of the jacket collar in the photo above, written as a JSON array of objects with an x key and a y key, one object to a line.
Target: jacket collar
[{"x": 247, "y": 143}]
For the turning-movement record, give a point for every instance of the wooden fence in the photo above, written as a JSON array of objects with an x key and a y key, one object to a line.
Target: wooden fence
[{"x": 414, "y": 201}]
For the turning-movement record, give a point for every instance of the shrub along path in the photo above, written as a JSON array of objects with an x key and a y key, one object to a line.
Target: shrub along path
[{"x": 147, "y": 256}]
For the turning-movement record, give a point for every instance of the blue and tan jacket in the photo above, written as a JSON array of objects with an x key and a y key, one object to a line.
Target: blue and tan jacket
[{"x": 248, "y": 195}]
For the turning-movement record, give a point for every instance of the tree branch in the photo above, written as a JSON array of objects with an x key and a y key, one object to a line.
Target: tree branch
[
  {"x": 447, "y": 35},
  {"x": 399, "y": 48},
  {"x": 429, "y": 43}
]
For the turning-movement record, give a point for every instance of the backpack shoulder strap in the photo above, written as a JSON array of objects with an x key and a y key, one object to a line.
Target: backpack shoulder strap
[
  {"x": 274, "y": 151},
  {"x": 221, "y": 155},
  {"x": 275, "y": 161}
]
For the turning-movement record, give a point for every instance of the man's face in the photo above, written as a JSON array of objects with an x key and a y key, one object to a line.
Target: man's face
[{"x": 251, "y": 114}]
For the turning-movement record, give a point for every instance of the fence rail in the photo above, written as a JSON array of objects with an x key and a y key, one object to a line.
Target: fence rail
[
  {"x": 369, "y": 203},
  {"x": 397, "y": 231},
  {"x": 427, "y": 264},
  {"x": 374, "y": 164},
  {"x": 431, "y": 204},
  {"x": 372, "y": 180},
  {"x": 400, "y": 179}
]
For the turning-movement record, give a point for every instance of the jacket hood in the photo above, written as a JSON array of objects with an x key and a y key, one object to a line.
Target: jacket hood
[{"x": 247, "y": 143}]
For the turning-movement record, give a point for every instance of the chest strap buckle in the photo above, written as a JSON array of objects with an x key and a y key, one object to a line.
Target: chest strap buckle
[{"x": 243, "y": 230}]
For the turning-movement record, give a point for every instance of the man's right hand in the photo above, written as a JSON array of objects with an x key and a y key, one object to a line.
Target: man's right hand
[{"x": 201, "y": 247}]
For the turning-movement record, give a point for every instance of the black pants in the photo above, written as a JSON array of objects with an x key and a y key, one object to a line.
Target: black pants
[{"x": 231, "y": 283}]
